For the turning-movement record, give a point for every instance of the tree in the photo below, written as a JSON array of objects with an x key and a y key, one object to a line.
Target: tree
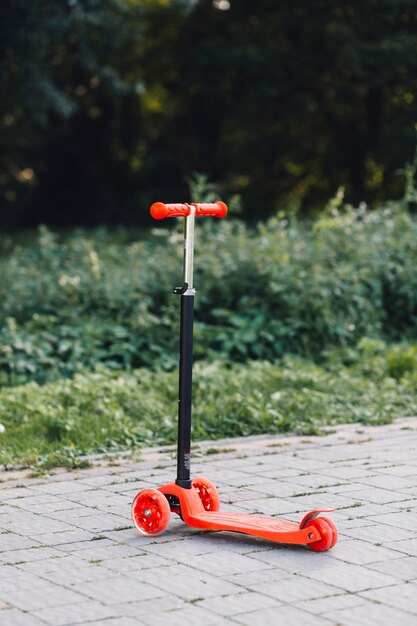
[
  {"x": 287, "y": 101},
  {"x": 62, "y": 62},
  {"x": 109, "y": 104}
]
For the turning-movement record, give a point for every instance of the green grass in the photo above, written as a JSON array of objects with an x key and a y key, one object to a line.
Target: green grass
[{"x": 55, "y": 424}]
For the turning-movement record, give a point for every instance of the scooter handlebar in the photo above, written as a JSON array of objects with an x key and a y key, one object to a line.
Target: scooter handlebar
[{"x": 160, "y": 210}]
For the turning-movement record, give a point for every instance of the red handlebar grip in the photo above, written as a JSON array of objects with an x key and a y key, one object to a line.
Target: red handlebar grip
[
  {"x": 214, "y": 209},
  {"x": 160, "y": 211}
]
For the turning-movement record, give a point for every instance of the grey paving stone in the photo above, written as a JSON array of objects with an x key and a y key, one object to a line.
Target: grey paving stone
[
  {"x": 351, "y": 577},
  {"x": 9, "y": 575},
  {"x": 86, "y": 611},
  {"x": 376, "y": 533},
  {"x": 116, "y": 589},
  {"x": 116, "y": 621},
  {"x": 186, "y": 583},
  {"x": 369, "y": 615},
  {"x": 269, "y": 506},
  {"x": 402, "y": 469},
  {"x": 59, "y": 505},
  {"x": 249, "y": 581},
  {"x": 74, "y": 547},
  {"x": 65, "y": 538},
  {"x": 76, "y": 513},
  {"x": 410, "y": 492},
  {"x": 66, "y": 571},
  {"x": 39, "y": 553},
  {"x": 409, "y": 505},
  {"x": 248, "y": 481},
  {"x": 235, "y": 542},
  {"x": 376, "y": 495},
  {"x": 402, "y": 596},
  {"x": 60, "y": 488},
  {"x": 386, "y": 481},
  {"x": 311, "y": 501},
  {"x": 131, "y": 536},
  {"x": 343, "y": 473},
  {"x": 42, "y": 594},
  {"x": 288, "y": 615},
  {"x": 277, "y": 488},
  {"x": 137, "y": 563},
  {"x": 29, "y": 524},
  {"x": 294, "y": 588},
  {"x": 362, "y": 552},
  {"x": 236, "y": 604},
  {"x": 198, "y": 544},
  {"x": 403, "y": 569},
  {"x": 100, "y": 522},
  {"x": 406, "y": 546},
  {"x": 241, "y": 495},
  {"x": 12, "y": 493},
  {"x": 186, "y": 614},
  {"x": 96, "y": 551},
  {"x": 11, "y": 541},
  {"x": 5, "y": 510},
  {"x": 32, "y": 501},
  {"x": 292, "y": 559},
  {"x": 368, "y": 510},
  {"x": 15, "y": 617},
  {"x": 221, "y": 563},
  {"x": 318, "y": 606},
  {"x": 144, "y": 608},
  {"x": 345, "y": 523}
]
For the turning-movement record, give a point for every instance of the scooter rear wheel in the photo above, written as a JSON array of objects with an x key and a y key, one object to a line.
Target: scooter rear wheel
[
  {"x": 325, "y": 530},
  {"x": 208, "y": 493},
  {"x": 335, "y": 534},
  {"x": 151, "y": 512}
]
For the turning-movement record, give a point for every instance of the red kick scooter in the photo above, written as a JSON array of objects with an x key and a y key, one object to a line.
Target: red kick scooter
[{"x": 197, "y": 500}]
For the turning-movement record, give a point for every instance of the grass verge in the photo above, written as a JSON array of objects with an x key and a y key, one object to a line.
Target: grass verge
[{"x": 56, "y": 424}]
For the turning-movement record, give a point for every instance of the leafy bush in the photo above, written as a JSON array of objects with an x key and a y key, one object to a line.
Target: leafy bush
[
  {"x": 96, "y": 412},
  {"x": 70, "y": 302}
]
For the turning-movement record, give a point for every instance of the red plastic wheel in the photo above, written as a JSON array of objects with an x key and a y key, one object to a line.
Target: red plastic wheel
[
  {"x": 151, "y": 512},
  {"x": 335, "y": 534},
  {"x": 325, "y": 530},
  {"x": 208, "y": 493}
]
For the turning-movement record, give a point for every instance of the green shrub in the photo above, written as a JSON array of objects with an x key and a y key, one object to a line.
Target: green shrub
[
  {"x": 72, "y": 301},
  {"x": 402, "y": 361}
]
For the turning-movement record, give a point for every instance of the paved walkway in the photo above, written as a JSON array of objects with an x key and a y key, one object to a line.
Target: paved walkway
[{"x": 70, "y": 555}]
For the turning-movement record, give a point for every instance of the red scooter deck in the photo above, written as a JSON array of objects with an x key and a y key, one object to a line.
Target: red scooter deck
[
  {"x": 272, "y": 529},
  {"x": 258, "y": 525}
]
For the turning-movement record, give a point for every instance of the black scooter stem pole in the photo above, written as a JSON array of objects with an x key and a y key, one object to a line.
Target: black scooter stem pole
[
  {"x": 187, "y": 292},
  {"x": 185, "y": 391}
]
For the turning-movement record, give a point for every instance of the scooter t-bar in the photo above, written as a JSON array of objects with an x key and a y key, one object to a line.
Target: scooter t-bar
[{"x": 160, "y": 211}]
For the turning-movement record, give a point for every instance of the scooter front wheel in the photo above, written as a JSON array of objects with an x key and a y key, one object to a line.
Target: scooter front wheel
[
  {"x": 208, "y": 493},
  {"x": 151, "y": 512}
]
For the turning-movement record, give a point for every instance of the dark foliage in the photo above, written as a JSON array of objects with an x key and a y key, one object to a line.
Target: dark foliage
[{"x": 109, "y": 104}]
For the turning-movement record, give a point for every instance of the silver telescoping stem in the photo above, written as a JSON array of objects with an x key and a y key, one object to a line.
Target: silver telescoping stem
[{"x": 189, "y": 252}]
